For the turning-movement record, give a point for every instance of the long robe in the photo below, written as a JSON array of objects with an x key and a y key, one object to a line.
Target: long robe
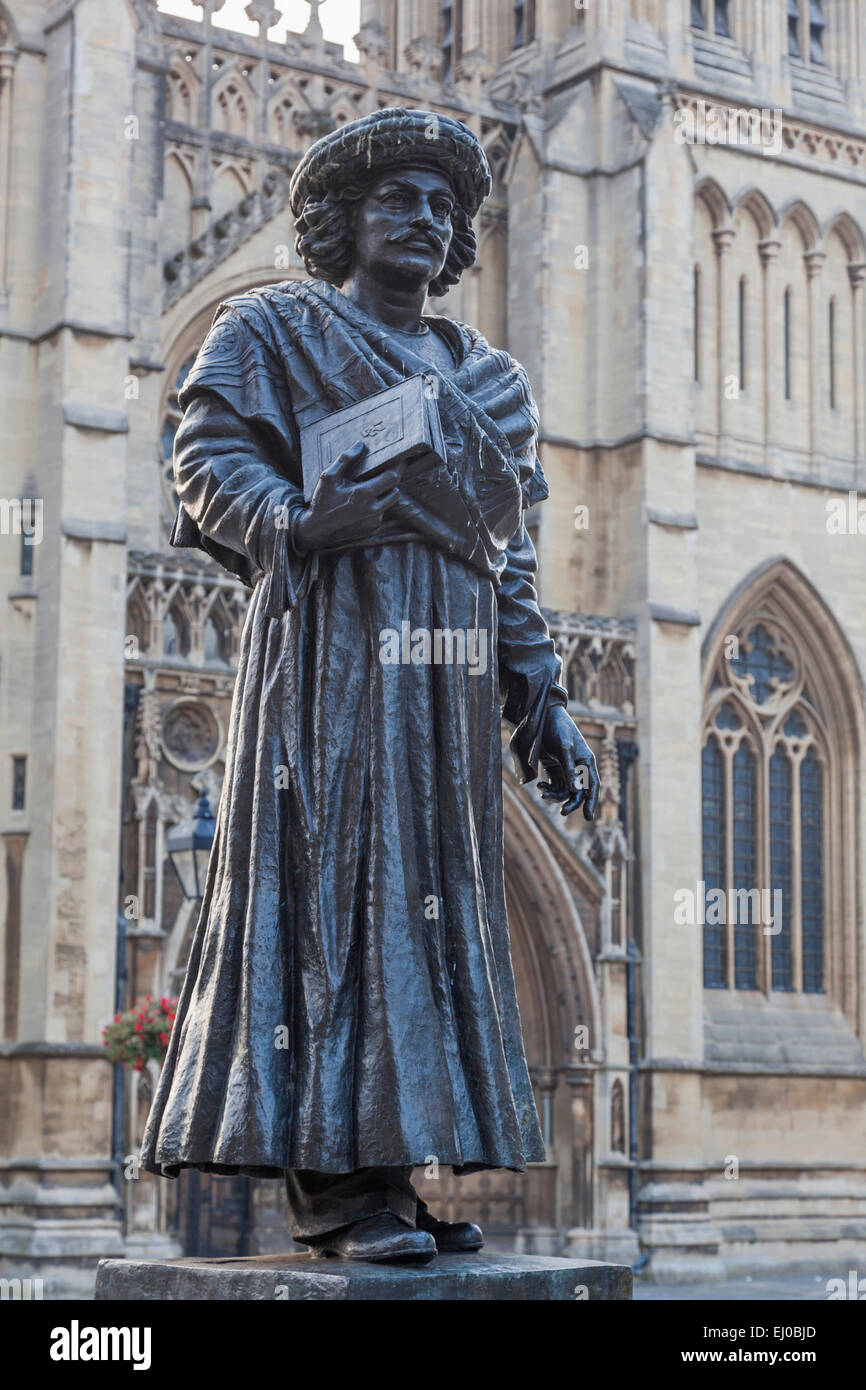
[{"x": 349, "y": 999}]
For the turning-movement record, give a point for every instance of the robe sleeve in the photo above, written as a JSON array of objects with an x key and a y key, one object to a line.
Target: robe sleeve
[
  {"x": 240, "y": 505},
  {"x": 529, "y": 667}
]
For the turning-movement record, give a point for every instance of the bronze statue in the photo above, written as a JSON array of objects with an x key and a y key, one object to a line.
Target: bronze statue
[{"x": 349, "y": 1009}]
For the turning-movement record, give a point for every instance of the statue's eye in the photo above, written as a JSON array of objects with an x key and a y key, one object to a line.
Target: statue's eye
[
  {"x": 442, "y": 210},
  {"x": 394, "y": 198}
]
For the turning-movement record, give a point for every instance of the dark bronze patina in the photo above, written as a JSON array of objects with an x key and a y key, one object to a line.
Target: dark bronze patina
[{"x": 349, "y": 1009}]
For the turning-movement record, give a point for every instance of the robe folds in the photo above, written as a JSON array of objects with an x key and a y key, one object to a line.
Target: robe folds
[{"x": 349, "y": 1000}]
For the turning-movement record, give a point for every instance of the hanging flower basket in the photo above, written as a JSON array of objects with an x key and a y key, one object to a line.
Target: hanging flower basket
[{"x": 140, "y": 1033}]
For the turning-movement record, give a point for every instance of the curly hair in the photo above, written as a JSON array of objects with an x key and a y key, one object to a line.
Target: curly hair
[{"x": 325, "y": 244}]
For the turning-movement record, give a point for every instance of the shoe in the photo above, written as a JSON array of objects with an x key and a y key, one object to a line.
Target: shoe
[
  {"x": 451, "y": 1237},
  {"x": 379, "y": 1240}
]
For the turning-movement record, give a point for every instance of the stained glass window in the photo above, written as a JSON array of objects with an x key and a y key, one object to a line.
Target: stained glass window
[
  {"x": 764, "y": 664},
  {"x": 812, "y": 876},
  {"x": 780, "y": 868},
  {"x": 745, "y": 876},
  {"x": 715, "y": 973},
  {"x": 765, "y": 799}
]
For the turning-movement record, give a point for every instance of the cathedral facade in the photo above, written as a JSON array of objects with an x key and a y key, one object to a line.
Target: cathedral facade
[{"x": 674, "y": 249}]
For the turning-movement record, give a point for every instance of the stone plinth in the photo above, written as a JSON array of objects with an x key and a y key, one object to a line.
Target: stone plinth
[{"x": 292, "y": 1277}]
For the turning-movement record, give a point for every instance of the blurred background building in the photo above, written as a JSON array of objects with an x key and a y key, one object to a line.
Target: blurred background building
[{"x": 675, "y": 250}]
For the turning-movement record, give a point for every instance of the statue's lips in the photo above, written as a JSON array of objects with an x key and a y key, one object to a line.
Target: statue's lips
[{"x": 418, "y": 245}]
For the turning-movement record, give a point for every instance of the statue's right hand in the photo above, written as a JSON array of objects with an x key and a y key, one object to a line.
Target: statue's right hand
[{"x": 344, "y": 508}]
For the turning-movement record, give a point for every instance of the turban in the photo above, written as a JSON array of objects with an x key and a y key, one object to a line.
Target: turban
[{"x": 391, "y": 138}]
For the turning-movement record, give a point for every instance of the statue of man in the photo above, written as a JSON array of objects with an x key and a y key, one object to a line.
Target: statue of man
[{"x": 349, "y": 1009}]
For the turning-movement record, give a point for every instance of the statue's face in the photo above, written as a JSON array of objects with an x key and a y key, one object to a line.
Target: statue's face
[{"x": 403, "y": 227}]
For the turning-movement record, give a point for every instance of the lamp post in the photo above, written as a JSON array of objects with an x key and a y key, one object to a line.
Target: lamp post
[{"x": 189, "y": 845}]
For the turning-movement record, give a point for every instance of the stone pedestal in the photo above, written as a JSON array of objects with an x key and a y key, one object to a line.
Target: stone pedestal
[{"x": 261, "y": 1278}]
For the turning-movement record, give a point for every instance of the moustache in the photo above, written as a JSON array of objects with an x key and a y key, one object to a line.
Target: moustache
[{"x": 433, "y": 242}]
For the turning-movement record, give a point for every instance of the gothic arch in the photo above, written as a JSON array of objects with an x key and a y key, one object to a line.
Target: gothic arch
[
  {"x": 849, "y": 233},
  {"x": 803, "y": 218},
  {"x": 233, "y": 103},
  {"x": 183, "y": 89},
  {"x": 177, "y": 200},
  {"x": 552, "y": 954},
  {"x": 753, "y": 201},
  {"x": 715, "y": 200},
  {"x": 8, "y": 29},
  {"x": 826, "y": 693}
]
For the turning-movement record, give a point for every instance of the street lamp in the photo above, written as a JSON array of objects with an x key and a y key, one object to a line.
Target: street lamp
[{"x": 189, "y": 845}]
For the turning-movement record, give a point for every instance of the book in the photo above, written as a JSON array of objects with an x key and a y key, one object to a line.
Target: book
[{"x": 399, "y": 425}]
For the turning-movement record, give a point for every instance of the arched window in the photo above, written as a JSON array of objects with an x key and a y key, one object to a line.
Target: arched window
[
  {"x": 175, "y": 635},
  {"x": 696, "y": 321},
  {"x": 806, "y": 24},
  {"x": 216, "y": 641},
  {"x": 617, "y": 1117},
  {"x": 831, "y": 350},
  {"x": 762, "y": 740},
  {"x": 524, "y": 22},
  {"x": 787, "y": 344},
  {"x": 711, "y": 15},
  {"x": 151, "y": 830},
  {"x": 779, "y": 752},
  {"x": 741, "y": 324},
  {"x": 452, "y": 34}
]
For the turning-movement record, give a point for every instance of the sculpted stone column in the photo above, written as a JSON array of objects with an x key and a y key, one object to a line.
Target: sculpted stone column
[
  {"x": 8, "y": 59},
  {"x": 263, "y": 13},
  {"x": 201, "y": 203},
  {"x": 857, "y": 274}
]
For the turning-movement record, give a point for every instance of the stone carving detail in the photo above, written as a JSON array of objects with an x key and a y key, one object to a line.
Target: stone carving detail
[
  {"x": 191, "y": 735},
  {"x": 225, "y": 235},
  {"x": 598, "y": 657}
]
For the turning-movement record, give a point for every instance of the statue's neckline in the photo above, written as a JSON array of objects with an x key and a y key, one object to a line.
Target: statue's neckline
[{"x": 354, "y": 313}]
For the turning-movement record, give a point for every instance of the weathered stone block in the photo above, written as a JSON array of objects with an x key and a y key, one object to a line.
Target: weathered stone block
[{"x": 291, "y": 1278}]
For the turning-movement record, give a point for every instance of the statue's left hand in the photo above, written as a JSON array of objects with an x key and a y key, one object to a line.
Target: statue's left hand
[{"x": 569, "y": 762}]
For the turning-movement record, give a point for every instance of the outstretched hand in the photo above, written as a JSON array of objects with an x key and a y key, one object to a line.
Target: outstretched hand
[{"x": 569, "y": 763}]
